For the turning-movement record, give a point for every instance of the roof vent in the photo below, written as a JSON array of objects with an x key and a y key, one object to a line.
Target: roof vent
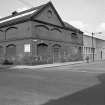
[{"x": 14, "y": 13}]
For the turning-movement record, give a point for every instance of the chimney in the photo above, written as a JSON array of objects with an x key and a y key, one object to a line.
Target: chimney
[{"x": 14, "y": 13}]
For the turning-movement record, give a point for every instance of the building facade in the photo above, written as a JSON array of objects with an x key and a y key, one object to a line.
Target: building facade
[
  {"x": 39, "y": 35},
  {"x": 98, "y": 45}
]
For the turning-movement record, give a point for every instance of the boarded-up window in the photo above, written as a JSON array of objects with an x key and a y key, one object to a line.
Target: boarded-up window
[
  {"x": 42, "y": 50},
  {"x": 56, "y": 53},
  {"x": 11, "y": 51},
  {"x": 74, "y": 36},
  {"x": 1, "y": 51},
  {"x": 11, "y": 32}
]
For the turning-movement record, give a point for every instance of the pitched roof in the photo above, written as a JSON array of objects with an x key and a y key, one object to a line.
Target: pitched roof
[
  {"x": 71, "y": 27},
  {"x": 20, "y": 16},
  {"x": 27, "y": 14},
  {"x": 23, "y": 12}
]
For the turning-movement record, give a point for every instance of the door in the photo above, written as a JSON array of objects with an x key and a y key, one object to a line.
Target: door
[
  {"x": 11, "y": 52},
  {"x": 42, "y": 52},
  {"x": 56, "y": 53}
]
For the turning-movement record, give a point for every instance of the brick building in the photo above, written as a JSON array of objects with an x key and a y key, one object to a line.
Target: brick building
[{"x": 39, "y": 34}]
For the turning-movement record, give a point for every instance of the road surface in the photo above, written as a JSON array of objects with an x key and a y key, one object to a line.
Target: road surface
[{"x": 80, "y": 84}]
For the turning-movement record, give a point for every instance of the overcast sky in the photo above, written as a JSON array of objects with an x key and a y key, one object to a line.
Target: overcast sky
[{"x": 87, "y": 15}]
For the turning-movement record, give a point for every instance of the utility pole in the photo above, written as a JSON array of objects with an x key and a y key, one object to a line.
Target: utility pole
[
  {"x": 92, "y": 47},
  {"x": 101, "y": 54}
]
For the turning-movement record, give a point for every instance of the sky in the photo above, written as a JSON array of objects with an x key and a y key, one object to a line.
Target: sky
[{"x": 87, "y": 15}]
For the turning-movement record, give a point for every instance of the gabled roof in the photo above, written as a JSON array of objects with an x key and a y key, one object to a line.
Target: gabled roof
[
  {"x": 24, "y": 15},
  {"x": 23, "y": 12},
  {"x": 28, "y": 14},
  {"x": 56, "y": 13}
]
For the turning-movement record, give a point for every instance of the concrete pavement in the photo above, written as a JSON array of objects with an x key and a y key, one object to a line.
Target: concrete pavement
[{"x": 46, "y": 65}]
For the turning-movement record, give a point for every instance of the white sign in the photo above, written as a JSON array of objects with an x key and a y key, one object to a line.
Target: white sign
[{"x": 27, "y": 48}]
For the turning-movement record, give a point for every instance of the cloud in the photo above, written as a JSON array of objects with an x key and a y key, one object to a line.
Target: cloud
[
  {"x": 22, "y": 9},
  {"x": 79, "y": 24},
  {"x": 101, "y": 27}
]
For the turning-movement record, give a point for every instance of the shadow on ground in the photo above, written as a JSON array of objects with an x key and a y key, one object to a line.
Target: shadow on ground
[{"x": 90, "y": 96}]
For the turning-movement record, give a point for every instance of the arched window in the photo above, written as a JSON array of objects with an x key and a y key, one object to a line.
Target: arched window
[
  {"x": 11, "y": 32},
  {"x": 42, "y": 26},
  {"x": 74, "y": 35},
  {"x": 11, "y": 28},
  {"x": 56, "y": 52},
  {"x": 56, "y": 29},
  {"x": 49, "y": 13},
  {"x": 42, "y": 52},
  {"x": 1, "y": 30},
  {"x": 56, "y": 45},
  {"x": 2, "y": 35},
  {"x": 11, "y": 51},
  {"x": 1, "y": 51},
  {"x": 80, "y": 50}
]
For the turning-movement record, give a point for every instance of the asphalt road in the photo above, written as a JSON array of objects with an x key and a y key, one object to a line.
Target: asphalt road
[{"x": 80, "y": 84}]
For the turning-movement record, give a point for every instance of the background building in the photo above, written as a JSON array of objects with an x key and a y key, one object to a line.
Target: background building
[
  {"x": 99, "y": 48},
  {"x": 39, "y": 35}
]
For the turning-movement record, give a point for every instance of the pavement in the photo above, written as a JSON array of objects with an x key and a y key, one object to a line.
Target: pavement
[{"x": 46, "y": 65}]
